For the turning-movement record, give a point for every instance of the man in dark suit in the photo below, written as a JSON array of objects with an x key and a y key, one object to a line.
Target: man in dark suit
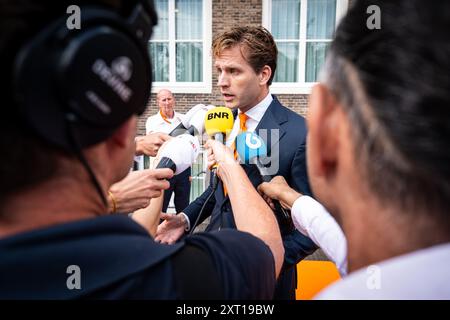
[{"x": 245, "y": 59}]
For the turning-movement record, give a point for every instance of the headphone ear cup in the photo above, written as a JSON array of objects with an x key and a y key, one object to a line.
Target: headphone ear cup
[
  {"x": 94, "y": 78},
  {"x": 104, "y": 78}
]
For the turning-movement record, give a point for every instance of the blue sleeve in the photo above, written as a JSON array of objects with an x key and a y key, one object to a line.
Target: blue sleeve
[
  {"x": 193, "y": 209},
  {"x": 299, "y": 175},
  {"x": 296, "y": 245},
  {"x": 244, "y": 263}
]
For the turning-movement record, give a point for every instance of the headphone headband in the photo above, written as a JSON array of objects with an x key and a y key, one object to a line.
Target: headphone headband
[{"x": 91, "y": 80}]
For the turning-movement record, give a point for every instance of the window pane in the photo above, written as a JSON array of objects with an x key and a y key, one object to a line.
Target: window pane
[
  {"x": 315, "y": 57},
  {"x": 321, "y": 19},
  {"x": 287, "y": 64},
  {"x": 189, "y": 62},
  {"x": 161, "y": 31},
  {"x": 285, "y": 19},
  {"x": 159, "y": 54},
  {"x": 188, "y": 19}
]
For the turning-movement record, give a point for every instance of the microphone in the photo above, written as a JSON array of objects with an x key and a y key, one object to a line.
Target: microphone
[
  {"x": 251, "y": 149},
  {"x": 179, "y": 153},
  {"x": 193, "y": 121},
  {"x": 219, "y": 122}
]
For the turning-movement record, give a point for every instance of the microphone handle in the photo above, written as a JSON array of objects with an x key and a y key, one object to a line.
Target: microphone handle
[
  {"x": 276, "y": 203},
  {"x": 166, "y": 162},
  {"x": 219, "y": 136},
  {"x": 178, "y": 130},
  {"x": 191, "y": 130}
]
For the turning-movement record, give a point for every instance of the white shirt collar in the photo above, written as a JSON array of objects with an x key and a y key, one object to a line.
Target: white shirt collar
[
  {"x": 257, "y": 112},
  {"x": 255, "y": 115},
  {"x": 176, "y": 118}
]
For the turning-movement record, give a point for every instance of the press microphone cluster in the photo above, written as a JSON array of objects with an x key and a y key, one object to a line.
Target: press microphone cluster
[
  {"x": 179, "y": 153},
  {"x": 252, "y": 150},
  {"x": 218, "y": 122},
  {"x": 193, "y": 122}
]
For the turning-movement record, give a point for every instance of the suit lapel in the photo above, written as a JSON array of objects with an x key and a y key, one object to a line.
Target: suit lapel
[{"x": 272, "y": 119}]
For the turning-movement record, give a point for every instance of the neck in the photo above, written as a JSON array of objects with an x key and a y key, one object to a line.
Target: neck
[
  {"x": 376, "y": 233},
  {"x": 168, "y": 116},
  {"x": 263, "y": 94},
  {"x": 60, "y": 200}
]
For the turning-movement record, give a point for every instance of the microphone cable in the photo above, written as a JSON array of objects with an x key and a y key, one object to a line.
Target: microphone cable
[{"x": 214, "y": 187}]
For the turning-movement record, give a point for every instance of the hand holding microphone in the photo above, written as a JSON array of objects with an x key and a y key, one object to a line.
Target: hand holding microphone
[
  {"x": 252, "y": 149},
  {"x": 218, "y": 155},
  {"x": 177, "y": 154}
]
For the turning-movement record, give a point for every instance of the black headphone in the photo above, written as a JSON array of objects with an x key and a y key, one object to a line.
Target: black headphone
[{"x": 87, "y": 81}]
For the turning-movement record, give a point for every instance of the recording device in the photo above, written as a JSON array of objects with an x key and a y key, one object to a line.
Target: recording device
[
  {"x": 219, "y": 122},
  {"x": 252, "y": 150},
  {"x": 193, "y": 121},
  {"x": 74, "y": 88},
  {"x": 179, "y": 153}
]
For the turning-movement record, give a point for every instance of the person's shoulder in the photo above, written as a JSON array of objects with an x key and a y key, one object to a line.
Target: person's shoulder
[
  {"x": 291, "y": 115},
  {"x": 244, "y": 263},
  {"x": 153, "y": 117}
]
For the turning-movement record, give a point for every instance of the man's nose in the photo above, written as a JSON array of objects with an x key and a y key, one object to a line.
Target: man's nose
[{"x": 223, "y": 80}]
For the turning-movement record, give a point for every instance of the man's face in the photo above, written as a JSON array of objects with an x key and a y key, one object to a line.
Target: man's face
[
  {"x": 166, "y": 102},
  {"x": 239, "y": 84}
]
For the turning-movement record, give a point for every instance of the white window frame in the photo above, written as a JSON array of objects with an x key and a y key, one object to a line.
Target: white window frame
[
  {"x": 189, "y": 87},
  {"x": 299, "y": 87}
]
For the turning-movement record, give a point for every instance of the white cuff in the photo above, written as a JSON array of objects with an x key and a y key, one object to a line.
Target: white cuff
[
  {"x": 188, "y": 222},
  {"x": 304, "y": 210}
]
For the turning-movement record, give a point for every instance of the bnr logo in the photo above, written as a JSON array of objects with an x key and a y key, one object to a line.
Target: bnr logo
[{"x": 220, "y": 115}]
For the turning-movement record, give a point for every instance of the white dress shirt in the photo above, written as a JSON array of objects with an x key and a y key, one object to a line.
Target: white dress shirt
[
  {"x": 254, "y": 115},
  {"x": 156, "y": 123},
  {"x": 314, "y": 221},
  {"x": 419, "y": 275}
]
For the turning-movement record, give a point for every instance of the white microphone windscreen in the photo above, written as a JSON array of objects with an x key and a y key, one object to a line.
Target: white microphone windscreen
[
  {"x": 187, "y": 117},
  {"x": 182, "y": 150}
]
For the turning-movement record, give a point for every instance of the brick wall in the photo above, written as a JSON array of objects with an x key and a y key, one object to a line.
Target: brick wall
[{"x": 225, "y": 14}]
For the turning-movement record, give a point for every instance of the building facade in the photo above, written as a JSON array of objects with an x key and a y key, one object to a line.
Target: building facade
[{"x": 180, "y": 46}]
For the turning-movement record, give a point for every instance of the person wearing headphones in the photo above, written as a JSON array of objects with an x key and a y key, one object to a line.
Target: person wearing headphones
[{"x": 70, "y": 107}]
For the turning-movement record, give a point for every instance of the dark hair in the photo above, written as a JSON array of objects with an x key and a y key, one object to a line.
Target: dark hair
[
  {"x": 26, "y": 159},
  {"x": 394, "y": 84},
  {"x": 258, "y": 47}
]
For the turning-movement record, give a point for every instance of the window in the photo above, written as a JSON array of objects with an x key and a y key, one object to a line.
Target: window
[
  {"x": 303, "y": 30},
  {"x": 180, "y": 46}
]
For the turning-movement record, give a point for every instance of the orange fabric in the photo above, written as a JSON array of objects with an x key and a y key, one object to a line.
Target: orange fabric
[
  {"x": 313, "y": 277},
  {"x": 164, "y": 117},
  {"x": 242, "y": 120},
  {"x": 242, "y": 128}
]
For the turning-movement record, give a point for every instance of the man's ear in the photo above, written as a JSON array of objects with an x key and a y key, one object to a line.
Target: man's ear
[
  {"x": 124, "y": 135},
  {"x": 264, "y": 75},
  {"x": 324, "y": 132}
]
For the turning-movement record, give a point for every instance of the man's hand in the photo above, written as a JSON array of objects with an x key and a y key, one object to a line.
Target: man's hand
[
  {"x": 278, "y": 189},
  {"x": 171, "y": 229},
  {"x": 135, "y": 191},
  {"x": 219, "y": 154},
  {"x": 150, "y": 144}
]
